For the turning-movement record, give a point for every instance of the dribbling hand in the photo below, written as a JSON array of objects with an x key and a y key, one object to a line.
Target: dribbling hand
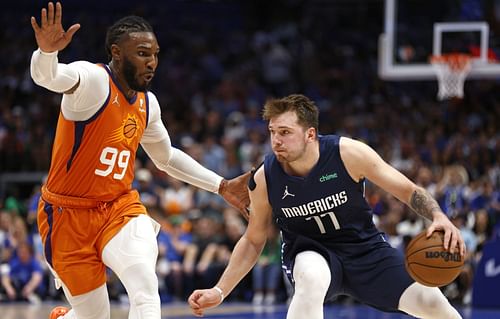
[
  {"x": 50, "y": 35},
  {"x": 452, "y": 236},
  {"x": 202, "y": 299}
]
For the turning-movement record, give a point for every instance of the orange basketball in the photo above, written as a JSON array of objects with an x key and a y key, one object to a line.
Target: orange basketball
[{"x": 429, "y": 263}]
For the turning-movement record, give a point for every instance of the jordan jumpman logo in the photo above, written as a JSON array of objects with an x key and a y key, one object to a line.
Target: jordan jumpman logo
[{"x": 286, "y": 193}]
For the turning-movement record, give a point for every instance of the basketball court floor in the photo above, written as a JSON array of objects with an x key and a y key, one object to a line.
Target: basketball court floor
[{"x": 234, "y": 311}]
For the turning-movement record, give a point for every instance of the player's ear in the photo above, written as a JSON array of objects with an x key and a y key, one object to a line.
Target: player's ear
[
  {"x": 115, "y": 52},
  {"x": 311, "y": 133}
]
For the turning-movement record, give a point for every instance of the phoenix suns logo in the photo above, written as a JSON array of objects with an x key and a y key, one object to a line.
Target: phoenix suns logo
[
  {"x": 127, "y": 131},
  {"x": 130, "y": 127}
]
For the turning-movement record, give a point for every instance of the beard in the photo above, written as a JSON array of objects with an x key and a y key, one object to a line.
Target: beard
[{"x": 130, "y": 72}]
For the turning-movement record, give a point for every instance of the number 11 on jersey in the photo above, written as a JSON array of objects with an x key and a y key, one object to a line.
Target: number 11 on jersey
[{"x": 319, "y": 222}]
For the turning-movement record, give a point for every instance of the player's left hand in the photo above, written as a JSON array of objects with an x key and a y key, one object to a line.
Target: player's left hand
[
  {"x": 452, "y": 236},
  {"x": 203, "y": 299},
  {"x": 235, "y": 192}
]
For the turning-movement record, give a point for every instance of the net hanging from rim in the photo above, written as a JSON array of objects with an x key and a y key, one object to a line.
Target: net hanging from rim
[{"x": 451, "y": 70}]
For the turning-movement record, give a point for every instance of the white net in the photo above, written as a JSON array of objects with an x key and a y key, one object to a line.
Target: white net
[{"x": 451, "y": 71}]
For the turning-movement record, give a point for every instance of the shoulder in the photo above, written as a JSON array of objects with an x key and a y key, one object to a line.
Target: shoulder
[
  {"x": 351, "y": 149},
  {"x": 93, "y": 78},
  {"x": 257, "y": 183},
  {"x": 356, "y": 156},
  {"x": 259, "y": 175},
  {"x": 152, "y": 97},
  {"x": 153, "y": 101},
  {"x": 154, "y": 106},
  {"x": 261, "y": 210},
  {"x": 90, "y": 68},
  {"x": 14, "y": 263}
]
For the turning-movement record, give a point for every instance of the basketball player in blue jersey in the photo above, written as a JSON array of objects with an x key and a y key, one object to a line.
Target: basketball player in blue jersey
[{"x": 313, "y": 187}]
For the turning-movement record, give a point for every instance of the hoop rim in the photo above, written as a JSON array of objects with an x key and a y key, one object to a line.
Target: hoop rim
[
  {"x": 451, "y": 70},
  {"x": 454, "y": 57},
  {"x": 454, "y": 62}
]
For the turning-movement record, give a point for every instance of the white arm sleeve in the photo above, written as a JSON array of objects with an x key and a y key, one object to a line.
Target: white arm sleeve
[
  {"x": 182, "y": 166},
  {"x": 47, "y": 72},
  {"x": 155, "y": 131},
  {"x": 91, "y": 80},
  {"x": 176, "y": 163}
]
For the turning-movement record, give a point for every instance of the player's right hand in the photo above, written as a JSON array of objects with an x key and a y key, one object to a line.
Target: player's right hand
[
  {"x": 202, "y": 299},
  {"x": 235, "y": 192},
  {"x": 50, "y": 35},
  {"x": 452, "y": 235}
]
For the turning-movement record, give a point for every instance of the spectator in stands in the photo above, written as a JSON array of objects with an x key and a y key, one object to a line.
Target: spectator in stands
[
  {"x": 452, "y": 190},
  {"x": 234, "y": 227},
  {"x": 252, "y": 149},
  {"x": 16, "y": 235},
  {"x": 200, "y": 263},
  {"x": 177, "y": 198},
  {"x": 146, "y": 188},
  {"x": 5, "y": 226},
  {"x": 175, "y": 240},
  {"x": 483, "y": 227},
  {"x": 22, "y": 279},
  {"x": 425, "y": 179},
  {"x": 459, "y": 290}
]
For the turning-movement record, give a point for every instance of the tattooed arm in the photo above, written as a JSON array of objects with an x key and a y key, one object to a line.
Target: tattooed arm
[
  {"x": 361, "y": 161},
  {"x": 423, "y": 203}
]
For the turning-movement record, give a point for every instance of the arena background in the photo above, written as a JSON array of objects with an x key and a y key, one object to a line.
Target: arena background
[{"x": 219, "y": 62}]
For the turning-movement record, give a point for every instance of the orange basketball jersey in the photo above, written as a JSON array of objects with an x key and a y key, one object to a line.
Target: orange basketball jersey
[{"x": 95, "y": 158}]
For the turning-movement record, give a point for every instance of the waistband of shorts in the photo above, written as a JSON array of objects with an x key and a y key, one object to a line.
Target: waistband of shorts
[{"x": 69, "y": 201}]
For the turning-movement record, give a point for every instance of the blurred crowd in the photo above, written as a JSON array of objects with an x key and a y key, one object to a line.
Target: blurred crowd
[{"x": 218, "y": 65}]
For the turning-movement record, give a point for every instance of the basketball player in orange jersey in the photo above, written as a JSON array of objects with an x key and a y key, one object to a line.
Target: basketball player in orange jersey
[
  {"x": 313, "y": 187},
  {"x": 89, "y": 217}
]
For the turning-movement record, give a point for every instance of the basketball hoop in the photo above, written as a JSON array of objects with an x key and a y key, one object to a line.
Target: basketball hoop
[{"x": 451, "y": 70}]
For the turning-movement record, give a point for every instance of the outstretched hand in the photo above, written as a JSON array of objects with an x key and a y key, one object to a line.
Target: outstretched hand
[
  {"x": 50, "y": 35},
  {"x": 200, "y": 300},
  {"x": 235, "y": 192}
]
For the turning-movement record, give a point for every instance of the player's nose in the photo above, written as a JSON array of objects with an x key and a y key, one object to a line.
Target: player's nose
[{"x": 152, "y": 63}]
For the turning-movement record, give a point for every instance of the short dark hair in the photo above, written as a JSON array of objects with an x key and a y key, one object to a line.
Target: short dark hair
[
  {"x": 307, "y": 112},
  {"x": 123, "y": 27}
]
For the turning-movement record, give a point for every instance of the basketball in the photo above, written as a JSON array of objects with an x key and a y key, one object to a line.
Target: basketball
[
  {"x": 429, "y": 263},
  {"x": 130, "y": 128}
]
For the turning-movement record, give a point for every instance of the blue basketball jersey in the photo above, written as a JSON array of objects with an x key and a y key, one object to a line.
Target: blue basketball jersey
[
  {"x": 327, "y": 212},
  {"x": 327, "y": 205}
]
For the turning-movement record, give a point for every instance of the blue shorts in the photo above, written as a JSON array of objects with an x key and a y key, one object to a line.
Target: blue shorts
[{"x": 372, "y": 272}]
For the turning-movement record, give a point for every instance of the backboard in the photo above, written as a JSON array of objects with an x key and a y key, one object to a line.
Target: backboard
[{"x": 414, "y": 30}]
